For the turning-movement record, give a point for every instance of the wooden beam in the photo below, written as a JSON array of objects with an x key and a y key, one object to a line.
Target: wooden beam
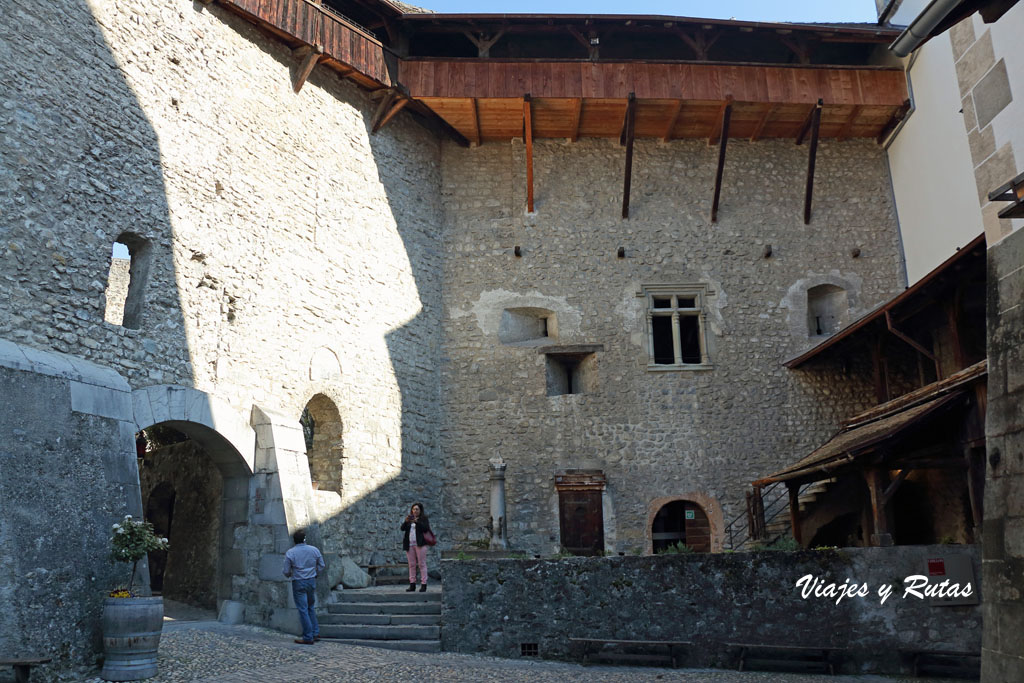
[
  {"x": 484, "y": 44},
  {"x": 723, "y": 141},
  {"x": 392, "y": 112},
  {"x": 890, "y": 490},
  {"x": 672, "y": 122},
  {"x": 528, "y": 137},
  {"x": 759, "y": 127},
  {"x": 917, "y": 347},
  {"x": 812, "y": 155},
  {"x": 716, "y": 125},
  {"x": 308, "y": 56},
  {"x": 577, "y": 115},
  {"x": 383, "y": 106},
  {"x": 630, "y": 129},
  {"x": 805, "y": 127},
  {"x": 476, "y": 122},
  {"x": 894, "y": 121},
  {"x": 847, "y": 128},
  {"x": 593, "y": 51},
  {"x": 875, "y": 479}
]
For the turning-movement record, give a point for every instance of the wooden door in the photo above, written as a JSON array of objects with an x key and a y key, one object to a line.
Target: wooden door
[{"x": 581, "y": 522}]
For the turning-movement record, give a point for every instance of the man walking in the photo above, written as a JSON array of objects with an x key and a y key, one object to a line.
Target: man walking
[{"x": 301, "y": 564}]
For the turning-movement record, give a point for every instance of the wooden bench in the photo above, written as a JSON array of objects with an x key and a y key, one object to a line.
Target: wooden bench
[
  {"x": 23, "y": 666},
  {"x": 592, "y": 649},
  {"x": 945, "y": 662},
  {"x": 799, "y": 657}
]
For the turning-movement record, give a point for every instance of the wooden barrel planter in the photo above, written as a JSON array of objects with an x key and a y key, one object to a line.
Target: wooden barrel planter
[{"x": 131, "y": 636}]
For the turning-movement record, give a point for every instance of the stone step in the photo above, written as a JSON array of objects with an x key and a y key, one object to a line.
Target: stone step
[
  {"x": 408, "y": 645},
  {"x": 357, "y": 595},
  {"x": 396, "y": 580},
  {"x": 381, "y": 619},
  {"x": 380, "y": 632},
  {"x": 384, "y": 608}
]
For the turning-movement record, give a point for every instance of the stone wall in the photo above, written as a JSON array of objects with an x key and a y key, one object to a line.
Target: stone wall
[
  {"x": 707, "y": 600},
  {"x": 657, "y": 435},
  {"x": 1003, "y": 528},
  {"x": 67, "y": 473},
  {"x": 274, "y": 231}
]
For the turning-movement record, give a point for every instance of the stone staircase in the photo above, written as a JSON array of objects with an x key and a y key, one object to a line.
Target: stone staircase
[{"x": 384, "y": 616}]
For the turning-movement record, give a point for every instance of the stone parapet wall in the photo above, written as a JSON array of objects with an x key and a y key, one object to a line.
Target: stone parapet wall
[
  {"x": 708, "y": 600},
  {"x": 697, "y": 434}
]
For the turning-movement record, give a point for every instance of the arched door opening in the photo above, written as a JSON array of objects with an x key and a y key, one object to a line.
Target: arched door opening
[
  {"x": 322, "y": 429},
  {"x": 681, "y": 522},
  {"x": 185, "y": 468}
]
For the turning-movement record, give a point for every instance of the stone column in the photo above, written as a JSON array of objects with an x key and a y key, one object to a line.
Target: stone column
[{"x": 499, "y": 526}]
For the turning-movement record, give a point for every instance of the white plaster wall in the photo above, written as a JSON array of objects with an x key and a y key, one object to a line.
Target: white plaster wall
[{"x": 932, "y": 172}]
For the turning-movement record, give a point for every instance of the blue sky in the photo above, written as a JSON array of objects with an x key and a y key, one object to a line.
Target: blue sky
[{"x": 747, "y": 10}]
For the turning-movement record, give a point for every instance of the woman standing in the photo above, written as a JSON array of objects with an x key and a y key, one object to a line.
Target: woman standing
[{"x": 414, "y": 526}]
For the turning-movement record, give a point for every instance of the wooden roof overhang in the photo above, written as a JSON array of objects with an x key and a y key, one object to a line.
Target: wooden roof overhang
[
  {"x": 870, "y": 442},
  {"x": 483, "y": 99}
]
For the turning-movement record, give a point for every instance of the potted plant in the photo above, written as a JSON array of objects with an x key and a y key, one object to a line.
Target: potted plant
[{"x": 131, "y": 624}]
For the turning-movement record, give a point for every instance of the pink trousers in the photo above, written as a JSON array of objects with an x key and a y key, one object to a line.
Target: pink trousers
[{"x": 417, "y": 557}]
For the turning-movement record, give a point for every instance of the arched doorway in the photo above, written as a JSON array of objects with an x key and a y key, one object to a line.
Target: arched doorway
[
  {"x": 194, "y": 491},
  {"x": 322, "y": 429},
  {"x": 681, "y": 522}
]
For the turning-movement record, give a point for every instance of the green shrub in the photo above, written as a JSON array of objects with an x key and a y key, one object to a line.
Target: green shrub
[{"x": 678, "y": 548}]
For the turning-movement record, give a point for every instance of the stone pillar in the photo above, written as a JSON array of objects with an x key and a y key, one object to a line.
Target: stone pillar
[{"x": 499, "y": 525}]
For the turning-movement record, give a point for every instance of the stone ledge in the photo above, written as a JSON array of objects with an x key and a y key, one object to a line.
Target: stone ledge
[{"x": 51, "y": 363}]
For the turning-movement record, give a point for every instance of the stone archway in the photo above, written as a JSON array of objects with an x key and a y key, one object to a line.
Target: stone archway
[
  {"x": 324, "y": 436},
  {"x": 195, "y": 448},
  {"x": 709, "y": 535}
]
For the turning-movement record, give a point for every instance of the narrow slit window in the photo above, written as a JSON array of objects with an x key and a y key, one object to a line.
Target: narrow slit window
[{"x": 126, "y": 281}]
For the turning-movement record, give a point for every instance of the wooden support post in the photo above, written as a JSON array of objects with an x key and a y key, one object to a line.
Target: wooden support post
[
  {"x": 875, "y": 479},
  {"x": 577, "y": 115},
  {"x": 484, "y": 43},
  {"x": 794, "y": 510},
  {"x": 812, "y": 155},
  {"x": 976, "y": 487},
  {"x": 952, "y": 306},
  {"x": 917, "y": 347},
  {"x": 628, "y": 134},
  {"x": 881, "y": 380},
  {"x": 308, "y": 56},
  {"x": 723, "y": 141},
  {"x": 528, "y": 137}
]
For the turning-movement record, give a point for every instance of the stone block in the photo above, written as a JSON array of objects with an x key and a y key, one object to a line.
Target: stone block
[
  {"x": 233, "y": 562},
  {"x": 961, "y": 37},
  {"x": 995, "y": 171},
  {"x": 231, "y": 612},
  {"x": 351, "y": 574},
  {"x": 992, "y": 94},
  {"x": 143, "y": 411},
  {"x": 271, "y": 566},
  {"x": 286, "y": 619},
  {"x": 973, "y": 64},
  {"x": 982, "y": 144},
  {"x": 98, "y": 400},
  {"x": 120, "y": 467}
]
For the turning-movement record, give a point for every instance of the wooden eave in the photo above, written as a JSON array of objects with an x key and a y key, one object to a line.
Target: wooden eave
[
  {"x": 588, "y": 99},
  {"x": 480, "y": 100}
]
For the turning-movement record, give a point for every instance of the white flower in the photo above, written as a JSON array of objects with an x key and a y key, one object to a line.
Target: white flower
[
  {"x": 117, "y": 526},
  {"x": 127, "y": 517}
]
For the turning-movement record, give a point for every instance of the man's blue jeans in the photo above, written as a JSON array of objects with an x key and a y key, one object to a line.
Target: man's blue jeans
[{"x": 304, "y": 592}]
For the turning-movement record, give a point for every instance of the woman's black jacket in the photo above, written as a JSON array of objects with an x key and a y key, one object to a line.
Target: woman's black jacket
[{"x": 422, "y": 524}]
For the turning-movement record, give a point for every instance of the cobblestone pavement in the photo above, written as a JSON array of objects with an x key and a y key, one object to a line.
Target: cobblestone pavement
[{"x": 215, "y": 653}]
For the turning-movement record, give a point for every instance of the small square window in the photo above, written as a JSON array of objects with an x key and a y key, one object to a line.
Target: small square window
[{"x": 529, "y": 649}]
